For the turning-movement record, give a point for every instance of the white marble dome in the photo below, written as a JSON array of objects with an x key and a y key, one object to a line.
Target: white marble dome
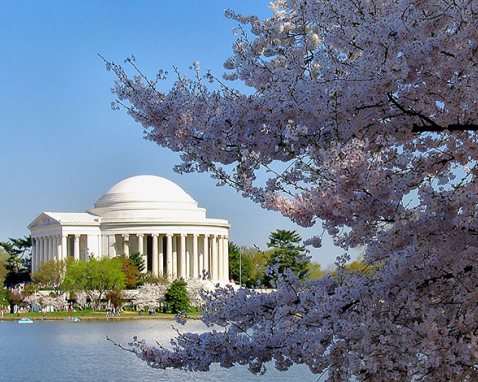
[
  {"x": 147, "y": 197},
  {"x": 145, "y": 188}
]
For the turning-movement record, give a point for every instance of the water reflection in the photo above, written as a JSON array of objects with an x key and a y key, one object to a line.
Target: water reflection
[{"x": 64, "y": 351}]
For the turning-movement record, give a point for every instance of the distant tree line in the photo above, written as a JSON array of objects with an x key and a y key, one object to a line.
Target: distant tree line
[{"x": 103, "y": 280}]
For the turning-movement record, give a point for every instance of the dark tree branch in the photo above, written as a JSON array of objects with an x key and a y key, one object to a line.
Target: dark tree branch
[
  {"x": 430, "y": 126},
  {"x": 417, "y": 129}
]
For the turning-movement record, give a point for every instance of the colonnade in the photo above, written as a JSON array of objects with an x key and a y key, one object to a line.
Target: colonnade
[
  {"x": 45, "y": 248},
  {"x": 171, "y": 255},
  {"x": 177, "y": 255}
]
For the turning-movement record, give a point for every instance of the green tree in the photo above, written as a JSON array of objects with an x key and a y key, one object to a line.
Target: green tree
[
  {"x": 258, "y": 260},
  {"x": 95, "y": 277},
  {"x": 287, "y": 253},
  {"x": 176, "y": 298},
  {"x": 3, "y": 269},
  {"x": 18, "y": 263},
  {"x": 315, "y": 271},
  {"x": 239, "y": 265},
  {"x": 3, "y": 298},
  {"x": 50, "y": 275},
  {"x": 358, "y": 265}
]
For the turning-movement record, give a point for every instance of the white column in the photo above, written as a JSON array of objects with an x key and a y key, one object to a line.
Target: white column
[
  {"x": 141, "y": 251},
  {"x": 206, "y": 256},
  {"x": 169, "y": 256},
  {"x": 45, "y": 249},
  {"x": 76, "y": 248},
  {"x": 37, "y": 253},
  {"x": 34, "y": 253},
  {"x": 188, "y": 260},
  {"x": 140, "y": 243},
  {"x": 195, "y": 257},
  {"x": 200, "y": 258},
  {"x": 161, "y": 256},
  {"x": 99, "y": 246},
  {"x": 58, "y": 247},
  {"x": 175, "y": 257},
  {"x": 182, "y": 259},
  {"x": 53, "y": 248},
  {"x": 84, "y": 252},
  {"x": 111, "y": 246},
  {"x": 50, "y": 248},
  {"x": 41, "y": 256},
  {"x": 63, "y": 247},
  {"x": 154, "y": 263},
  {"x": 126, "y": 245},
  {"x": 221, "y": 258},
  {"x": 226, "y": 258},
  {"x": 214, "y": 267}
]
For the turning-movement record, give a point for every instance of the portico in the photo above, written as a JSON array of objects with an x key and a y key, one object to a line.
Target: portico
[{"x": 149, "y": 215}]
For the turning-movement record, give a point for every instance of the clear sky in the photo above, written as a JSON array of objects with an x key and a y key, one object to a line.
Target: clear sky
[{"x": 62, "y": 147}]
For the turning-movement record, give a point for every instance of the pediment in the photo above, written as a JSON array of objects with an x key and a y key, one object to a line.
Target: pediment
[{"x": 43, "y": 220}]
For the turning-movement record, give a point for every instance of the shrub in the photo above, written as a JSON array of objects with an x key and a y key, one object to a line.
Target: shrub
[{"x": 177, "y": 298}]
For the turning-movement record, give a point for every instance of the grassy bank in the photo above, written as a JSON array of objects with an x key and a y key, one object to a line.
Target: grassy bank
[{"x": 89, "y": 315}]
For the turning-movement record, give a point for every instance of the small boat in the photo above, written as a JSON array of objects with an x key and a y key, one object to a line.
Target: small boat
[
  {"x": 25, "y": 320},
  {"x": 71, "y": 318}
]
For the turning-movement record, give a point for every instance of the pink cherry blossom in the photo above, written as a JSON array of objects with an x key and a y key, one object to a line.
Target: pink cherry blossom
[{"x": 360, "y": 116}]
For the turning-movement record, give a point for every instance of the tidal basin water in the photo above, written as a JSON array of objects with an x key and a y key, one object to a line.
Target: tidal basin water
[{"x": 79, "y": 351}]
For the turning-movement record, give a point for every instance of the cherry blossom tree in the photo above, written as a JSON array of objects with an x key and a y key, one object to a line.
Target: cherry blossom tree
[
  {"x": 149, "y": 295},
  {"x": 197, "y": 290},
  {"x": 54, "y": 301},
  {"x": 362, "y": 116},
  {"x": 81, "y": 298}
]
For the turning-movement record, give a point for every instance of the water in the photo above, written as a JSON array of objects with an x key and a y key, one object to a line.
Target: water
[{"x": 69, "y": 351}]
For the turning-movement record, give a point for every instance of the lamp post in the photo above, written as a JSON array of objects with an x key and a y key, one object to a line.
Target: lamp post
[{"x": 240, "y": 269}]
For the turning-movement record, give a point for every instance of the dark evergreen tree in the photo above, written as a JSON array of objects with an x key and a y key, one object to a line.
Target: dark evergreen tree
[
  {"x": 287, "y": 253},
  {"x": 137, "y": 259},
  {"x": 176, "y": 298},
  {"x": 18, "y": 263}
]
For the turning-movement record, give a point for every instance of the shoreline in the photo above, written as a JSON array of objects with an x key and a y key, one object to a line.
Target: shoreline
[{"x": 89, "y": 317}]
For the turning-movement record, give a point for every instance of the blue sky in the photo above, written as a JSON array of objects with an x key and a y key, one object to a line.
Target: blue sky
[{"x": 62, "y": 146}]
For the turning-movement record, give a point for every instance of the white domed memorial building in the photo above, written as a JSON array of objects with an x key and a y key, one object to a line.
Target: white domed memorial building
[{"x": 146, "y": 214}]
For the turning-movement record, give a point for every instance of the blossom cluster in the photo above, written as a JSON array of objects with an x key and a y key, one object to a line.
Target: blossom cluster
[
  {"x": 149, "y": 295},
  {"x": 43, "y": 300}
]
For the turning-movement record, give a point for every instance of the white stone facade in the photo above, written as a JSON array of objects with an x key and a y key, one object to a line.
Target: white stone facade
[{"x": 146, "y": 214}]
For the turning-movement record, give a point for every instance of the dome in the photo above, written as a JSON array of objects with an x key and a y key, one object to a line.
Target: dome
[
  {"x": 147, "y": 197},
  {"x": 146, "y": 188}
]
